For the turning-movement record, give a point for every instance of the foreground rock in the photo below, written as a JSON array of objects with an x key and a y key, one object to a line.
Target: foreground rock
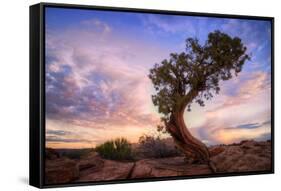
[
  {"x": 114, "y": 170},
  {"x": 108, "y": 170},
  {"x": 174, "y": 166},
  {"x": 60, "y": 170},
  {"x": 91, "y": 161},
  {"x": 243, "y": 157},
  {"x": 247, "y": 156}
]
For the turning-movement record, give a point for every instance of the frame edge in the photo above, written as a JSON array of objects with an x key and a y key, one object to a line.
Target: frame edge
[{"x": 34, "y": 98}]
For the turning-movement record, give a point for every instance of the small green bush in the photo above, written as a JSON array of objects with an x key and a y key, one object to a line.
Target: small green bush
[{"x": 118, "y": 149}]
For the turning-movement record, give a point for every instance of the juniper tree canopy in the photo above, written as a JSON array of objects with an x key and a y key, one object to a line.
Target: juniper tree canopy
[{"x": 194, "y": 76}]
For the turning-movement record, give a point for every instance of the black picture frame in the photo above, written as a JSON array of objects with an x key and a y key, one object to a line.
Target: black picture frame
[{"x": 37, "y": 92}]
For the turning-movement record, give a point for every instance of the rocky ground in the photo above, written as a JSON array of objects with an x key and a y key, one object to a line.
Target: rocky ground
[{"x": 241, "y": 157}]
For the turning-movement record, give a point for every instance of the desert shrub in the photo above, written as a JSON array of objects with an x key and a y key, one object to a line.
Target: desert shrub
[
  {"x": 118, "y": 149},
  {"x": 154, "y": 147}
]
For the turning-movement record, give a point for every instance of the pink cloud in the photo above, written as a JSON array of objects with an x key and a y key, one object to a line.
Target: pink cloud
[
  {"x": 105, "y": 85},
  {"x": 250, "y": 104}
]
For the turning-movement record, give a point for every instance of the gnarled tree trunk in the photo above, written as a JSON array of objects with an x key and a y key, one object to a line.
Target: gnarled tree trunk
[{"x": 193, "y": 148}]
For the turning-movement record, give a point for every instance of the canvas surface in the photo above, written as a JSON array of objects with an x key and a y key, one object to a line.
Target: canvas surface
[{"x": 109, "y": 107}]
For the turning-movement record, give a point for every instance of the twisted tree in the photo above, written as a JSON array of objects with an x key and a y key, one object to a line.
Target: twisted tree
[{"x": 194, "y": 76}]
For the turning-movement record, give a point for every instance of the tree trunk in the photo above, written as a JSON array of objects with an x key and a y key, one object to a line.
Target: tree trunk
[
  {"x": 191, "y": 147},
  {"x": 194, "y": 150}
]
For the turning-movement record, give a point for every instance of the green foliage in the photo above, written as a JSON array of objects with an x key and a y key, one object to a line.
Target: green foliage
[
  {"x": 155, "y": 147},
  {"x": 118, "y": 149},
  {"x": 194, "y": 75}
]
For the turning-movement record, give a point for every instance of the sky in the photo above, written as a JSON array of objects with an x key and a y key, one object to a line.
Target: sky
[{"x": 97, "y": 85}]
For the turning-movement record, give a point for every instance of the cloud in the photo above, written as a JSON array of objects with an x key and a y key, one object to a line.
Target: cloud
[
  {"x": 168, "y": 24},
  {"x": 56, "y": 139},
  {"x": 230, "y": 135},
  {"x": 57, "y": 132},
  {"x": 251, "y": 88},
  {"x": 240, "y": 111},
  {"x": 97, "y": 25},
  {"x": 248, "y": 126},
  {"x": 97, "y": 81},
  {"x": 91, "y": 137}
]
